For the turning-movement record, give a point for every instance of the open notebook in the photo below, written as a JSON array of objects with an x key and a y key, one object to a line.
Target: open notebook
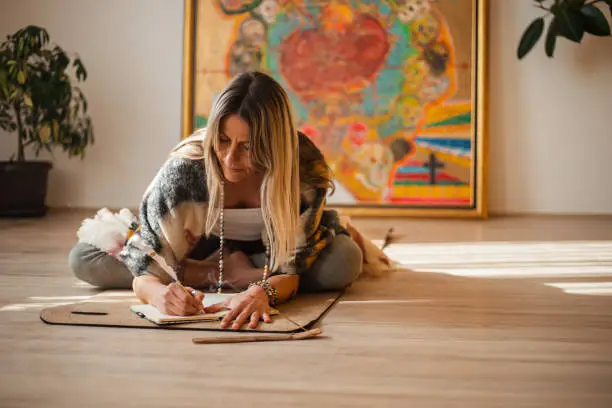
[{"x": 151, "y": 313}]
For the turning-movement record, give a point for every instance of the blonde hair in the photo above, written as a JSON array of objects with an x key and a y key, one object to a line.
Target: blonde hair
[{"x": 261, "y": 102}]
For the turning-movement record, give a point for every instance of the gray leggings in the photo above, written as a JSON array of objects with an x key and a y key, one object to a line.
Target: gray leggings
[{"x": 337, "y": 267}]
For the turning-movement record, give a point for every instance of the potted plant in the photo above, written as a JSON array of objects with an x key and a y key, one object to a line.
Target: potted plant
[
  {"x": 570, "y": 19},
  {"x": 42, "y": 106}
]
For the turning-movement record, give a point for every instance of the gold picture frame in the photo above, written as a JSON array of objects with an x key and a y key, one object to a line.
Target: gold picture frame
[{"x": 438, "y": 162}]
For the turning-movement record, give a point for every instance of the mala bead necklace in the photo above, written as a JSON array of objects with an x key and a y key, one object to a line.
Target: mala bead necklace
[{"x": 270, "y": 291}]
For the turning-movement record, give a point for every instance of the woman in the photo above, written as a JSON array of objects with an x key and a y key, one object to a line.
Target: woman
[{"x": 237, "y": 205}]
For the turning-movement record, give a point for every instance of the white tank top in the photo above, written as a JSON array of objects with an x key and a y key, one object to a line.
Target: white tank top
[{"x": 244, "y": 224}]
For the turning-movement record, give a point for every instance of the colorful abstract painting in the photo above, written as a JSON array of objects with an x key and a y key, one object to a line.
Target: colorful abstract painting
[{"x": 386, "y": 89}]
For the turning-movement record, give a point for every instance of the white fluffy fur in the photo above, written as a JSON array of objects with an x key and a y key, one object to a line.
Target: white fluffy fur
[{"x": 106, "y": 230}]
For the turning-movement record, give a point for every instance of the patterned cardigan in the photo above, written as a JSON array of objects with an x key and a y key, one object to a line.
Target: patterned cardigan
[{"x": 173, "y": 210}]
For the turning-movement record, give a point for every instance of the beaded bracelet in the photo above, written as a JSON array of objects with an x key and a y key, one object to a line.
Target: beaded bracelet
[{"x": 269, "y": 289}]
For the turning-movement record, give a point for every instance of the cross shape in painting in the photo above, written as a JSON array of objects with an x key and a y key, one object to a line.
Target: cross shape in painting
[{"x": 433, "y": 164}]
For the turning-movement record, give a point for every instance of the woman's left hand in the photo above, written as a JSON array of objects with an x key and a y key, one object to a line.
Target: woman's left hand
[{"x": 252, "y": 305}]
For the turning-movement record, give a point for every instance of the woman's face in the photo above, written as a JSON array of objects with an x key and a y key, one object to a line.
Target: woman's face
[{"x": 234, "y": 149}]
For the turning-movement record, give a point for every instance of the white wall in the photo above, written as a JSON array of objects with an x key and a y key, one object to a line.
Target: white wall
[
  {"x": 554, "y": 115},
  {"x": 133, "y": 51}
]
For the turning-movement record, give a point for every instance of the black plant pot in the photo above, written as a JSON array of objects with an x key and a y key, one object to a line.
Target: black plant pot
[{"x": 23, "y": 188}]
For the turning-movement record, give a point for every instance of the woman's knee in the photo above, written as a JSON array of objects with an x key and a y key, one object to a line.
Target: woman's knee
[
  {"x": 98, "y": 268},
  {"x": 350, "y": 260},
  {"x": 78, "y": 260},
  {"x": 338, "y": 265}
]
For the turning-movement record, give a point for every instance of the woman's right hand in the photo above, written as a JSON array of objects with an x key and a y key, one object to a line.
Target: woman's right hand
[{"x": 173, "y": 300}]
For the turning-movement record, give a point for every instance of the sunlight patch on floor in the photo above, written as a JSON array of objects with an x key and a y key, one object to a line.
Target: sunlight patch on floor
[
  {"x": 17, "y": 307},
  {"x": 58, "y": 297},
  {"x": 562, "y": 259},
  {"x": 43, "y": 305},
  {"x": 522, "y": 271},
  {"x": 584, "y": 288},
  {"x": 507, "y": 259}
]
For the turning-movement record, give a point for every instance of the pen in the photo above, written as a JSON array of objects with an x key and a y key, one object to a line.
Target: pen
[{"x": 192, "y": 293}]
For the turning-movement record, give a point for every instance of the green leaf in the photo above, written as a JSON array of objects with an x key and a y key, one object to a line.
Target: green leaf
[
  {"x": 81, "y": 72},
  {"x": 55, "y": 130},
  {"x": 570, "y": 24},
  {"x": 44, "y": 37},
  {"x": 61, "y": 60},
  {"x": 530, "y": 37},
  {"x": 551, "y": 38},
  {"x": 6, "y": 93},
  {"x": 45, "y": 133},
  {"x": 83, "y": 100},
  {"x": 595, "y": 21},
  {"x": 27, "y": 100}
]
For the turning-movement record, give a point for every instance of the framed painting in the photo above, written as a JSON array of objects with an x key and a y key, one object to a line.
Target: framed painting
[{"x": 391, "y": 91}]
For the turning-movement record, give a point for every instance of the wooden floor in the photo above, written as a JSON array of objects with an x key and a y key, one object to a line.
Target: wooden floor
[{"x": 512, "y": 312}]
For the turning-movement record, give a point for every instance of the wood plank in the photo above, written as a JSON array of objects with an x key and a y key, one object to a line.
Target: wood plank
[{"x": 423, "y": 338}]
